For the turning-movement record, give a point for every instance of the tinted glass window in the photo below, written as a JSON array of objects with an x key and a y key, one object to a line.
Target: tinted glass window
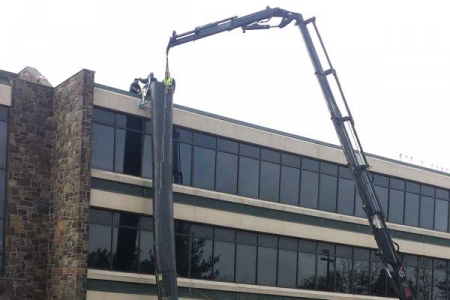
[
  {"x": 146, "y": 223},
  {"x": 204, "y": 165},
  {"x": 247, "y": 237},
  {"x": 246, "y": 264},
  {"x": 411, "y": 274},
  {"x": 129, "y": 122},
  {"x": 287, "y": 268},
  {"x": 125, "y": 219},
  {"x": 182, "y": 135},
  {"x": 426, "y": 212},
  {"x": 3, "y": 113},
  {"x": 412, "y": 187},
  {"x": 201, "y": 258},
  {"x": 249, "y": 151},
  {"x": 147, "y": 159},
  {"x": 425, "y": 284},
  {"x": 147, "y": 257},
  {"x": 327, "y": 168},
  {"x": 377, "y": 279},
  {"x": 228, "y": 146},
  {"x": 267, "y": 264},
  {"x": 439, "y": 285},
  {"x": 328, "y": 189},
  {"x": 3, "y": 143},
  {"x": 383, "y": 194},
  {"x": 309, "y": 189},
  {"x": 361, "y": 277},
  {"x": 307, "y": 246},
  {"x": 344, "y": 251},
  {"x": 267, "y": 240},
  {"x": 148, "y": 128},
  {"x": 380, "y": 180},
  {"x": 102, "y": 147},
  {"x": 226, "y": 173},
  {"x": 396, "y": 205},
  {"x": 270, "y": 155},
  {"x": 412, "y": 209},
  {"x": 325, "y": 272},
  {"x": 182, "y": 255},
  {"x": 397, "y": 184},
  {"x": 442, "y": 194},
  {"x": 270, "y": 181},
  {"x": 306, "y": 271},
  {"x": 223, "y": 234},
  {"x": 289, "y": 189},
  {"x": 427, "y": 190},
  {"x": 248, "y": 177},
  {"x": 288, "y": 243},
  {"x": 224, "y": 261},
  {"x": 343, "y": 275},
  {"x": 344, "y": 172},
  {"x": 103, "y": 116},
  {"x": 346, "y": 197},
  {"x": 99, "y": 246},
  {"x": 182, "y": 159},
  {"x": 125, "y": 249},
  {"x": 290, "y": 160},
  {"x": 441, "y": 215},
  {"x": 205, "y": 140},
  {"x": 309, "y": 164},
  {"x": 100, "y": 216},
  {"x": 128, "y": 150}
]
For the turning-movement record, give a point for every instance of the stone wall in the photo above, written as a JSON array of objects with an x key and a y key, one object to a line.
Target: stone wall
[
  {"x": 70, "y": 179},
  {"x": 28, "y": 191}
]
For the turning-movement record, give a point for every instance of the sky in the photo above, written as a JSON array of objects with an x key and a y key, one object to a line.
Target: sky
[{"x": 392, "y": 59}]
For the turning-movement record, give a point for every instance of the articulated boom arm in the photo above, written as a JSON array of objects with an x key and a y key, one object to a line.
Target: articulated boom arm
[{"x": 344, "y": 125}]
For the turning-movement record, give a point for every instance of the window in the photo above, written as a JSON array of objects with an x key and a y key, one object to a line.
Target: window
[
  {"x": 361, "y": 272},
  {"x": 248, "y": 177},
  {"x": 267, "y": 264},
  {"x": 412, "y": 209},
  {"x": 224, "y": 261},
  {"x": 306, "y": 274},
  {"x": 2, "y": 193},
  {"x": 147, "y": 157},
  {"x": 226, "y": 173},
  {"x": 346, "y": 197},
  {"x": 441, "y": 215},
  {"x": 309, "y": 189},
  {"x": 182, "y": 161},
  {"x": 270, "y": 181},
  {"x": 328, "y": 189},
  {"x": 396, "y": 205},
  {"x": 245, "y": 264},
  {"x": 182, "y": 255},
  {"x": 289, "y": 189},
  {"x": 201, "y": 258},
  {"x": 116, "y": 242},
  {"x": 426, "y": 212},
  {"x": 383, "y": 195},
  {"x": 102, "y": 147},
  {"x": 344, "y": 269},
  {"x": 128, "y": 152},
  {"x": 325, "y": 267},
  {"x": 3, "y": 143},
  {"x": 204, "y": 167},
  {"x": 287, "y": 268}
]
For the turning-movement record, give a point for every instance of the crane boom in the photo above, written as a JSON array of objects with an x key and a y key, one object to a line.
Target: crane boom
[{"x": 344, "y": 125}]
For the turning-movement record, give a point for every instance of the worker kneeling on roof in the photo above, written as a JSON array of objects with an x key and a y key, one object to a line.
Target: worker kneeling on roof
[{"x": 169, "y": 82}]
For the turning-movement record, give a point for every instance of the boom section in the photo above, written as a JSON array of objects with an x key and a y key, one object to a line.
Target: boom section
[{"x": 343, "y": 124}]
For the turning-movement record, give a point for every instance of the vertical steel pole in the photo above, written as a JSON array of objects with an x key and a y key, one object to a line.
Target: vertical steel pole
[{"x": 166, "y": 278}]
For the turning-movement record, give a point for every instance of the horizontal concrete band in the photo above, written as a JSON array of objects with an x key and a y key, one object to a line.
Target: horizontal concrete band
[
  {"x": 5, "y": 95},
  {"x": 121, "y": 101},
  {"x": 107, "y": 281},
  {"x": 132, "y": 198}
]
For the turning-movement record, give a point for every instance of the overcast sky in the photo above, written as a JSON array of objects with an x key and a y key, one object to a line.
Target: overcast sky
[{"x": 392, "y": 58}]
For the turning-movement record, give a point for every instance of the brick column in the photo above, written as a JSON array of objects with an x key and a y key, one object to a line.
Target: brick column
[
  {"x": 28, "y": 191},
  {"x": 71, "y": 183}
]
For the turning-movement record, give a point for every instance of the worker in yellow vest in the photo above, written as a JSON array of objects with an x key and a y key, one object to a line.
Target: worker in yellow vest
[{"x": 169, "y": 82}]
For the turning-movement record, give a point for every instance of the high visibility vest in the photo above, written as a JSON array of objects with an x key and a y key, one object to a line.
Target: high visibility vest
[{"x": 168, "y": 81}]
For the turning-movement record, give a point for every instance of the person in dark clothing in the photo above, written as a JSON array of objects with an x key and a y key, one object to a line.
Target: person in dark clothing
[
  {"x": 135, "y": 87},
  {"x": 149, "y": 79}
]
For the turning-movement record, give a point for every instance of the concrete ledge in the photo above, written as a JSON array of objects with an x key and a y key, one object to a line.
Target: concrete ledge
[
  {"x": 261, "y": 203},
  {"x": 121, "y": 202},
  {"x": 225, "y": 286},
  {"x": 248, "y": 133},
  {"x": 5, "y": 95},
  {"x": 95, "y": 295}
]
